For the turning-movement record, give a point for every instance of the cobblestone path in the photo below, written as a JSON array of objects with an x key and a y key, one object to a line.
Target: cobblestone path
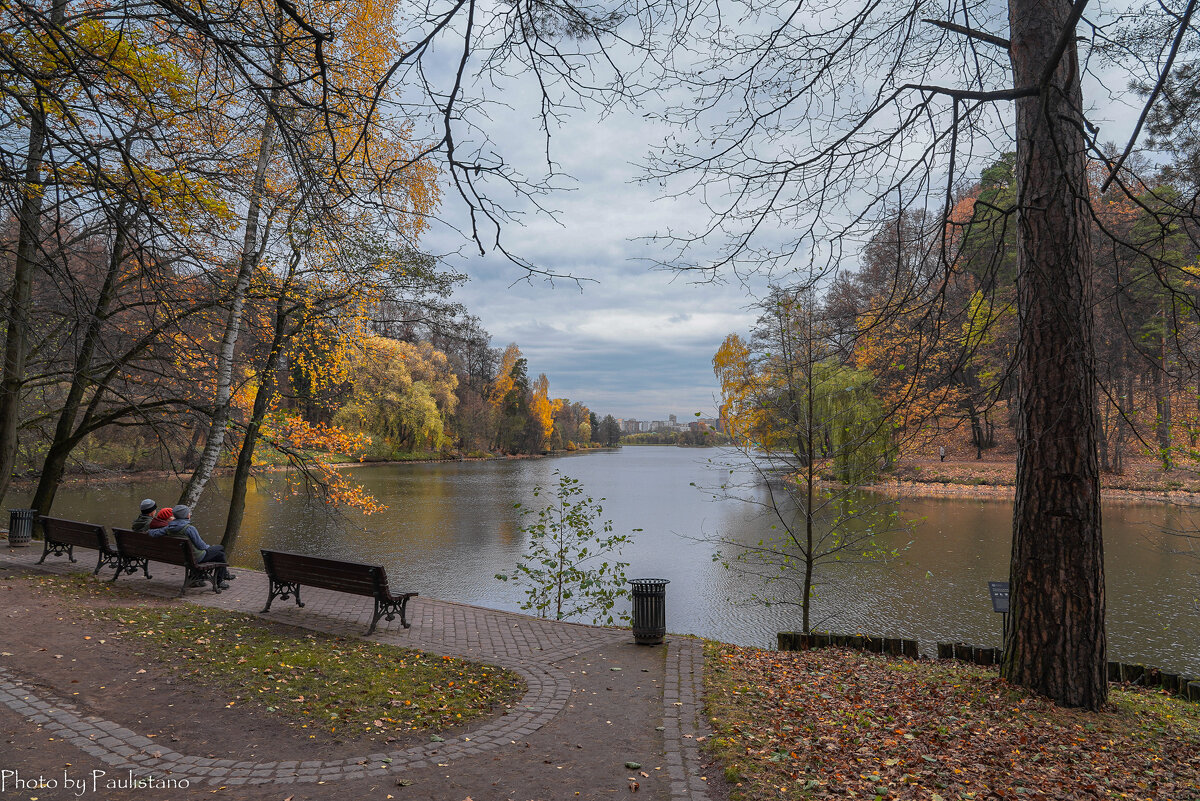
[{"x": 528, "y": 646}]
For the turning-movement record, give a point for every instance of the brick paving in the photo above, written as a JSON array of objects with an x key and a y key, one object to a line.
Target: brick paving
[{"x": 528, "y": 646}]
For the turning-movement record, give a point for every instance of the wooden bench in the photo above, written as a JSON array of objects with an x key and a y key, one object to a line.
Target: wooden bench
[
  {"x": 287, "y": 571},
  {"x": 61, "y": 537},
  {"x": 137, "y": 549}
]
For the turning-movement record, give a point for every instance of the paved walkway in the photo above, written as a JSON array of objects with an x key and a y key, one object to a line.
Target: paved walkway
[{"x": 525, "y": 645}]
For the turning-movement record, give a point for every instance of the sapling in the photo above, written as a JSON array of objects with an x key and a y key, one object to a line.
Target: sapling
[{"x": 566, "y": 569}]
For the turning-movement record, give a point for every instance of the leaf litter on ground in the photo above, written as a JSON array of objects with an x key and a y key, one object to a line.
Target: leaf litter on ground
[
  {"x": 841, "y": 724},
  {"x": 345, "y": 686}
]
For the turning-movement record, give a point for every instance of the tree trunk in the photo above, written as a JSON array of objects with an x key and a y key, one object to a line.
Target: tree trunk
[
  {"x": 215, "y": 438},
  {"x": 241, "y": 475},
  {"x": 1056, "y": 643},
  {"x": 1162, "y": 401},
  {"x": 20, "y": 293},
  {"x": 262, "y": 403},
  {"x": 976, "y": 430},
  {"x": 1125, "y": 407},
  {"x": 1102, "y": 442},
  {"x": 65, "y": 436}
]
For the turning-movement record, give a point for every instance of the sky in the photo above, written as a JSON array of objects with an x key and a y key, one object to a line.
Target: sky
[{"x": 626, "y": 339}]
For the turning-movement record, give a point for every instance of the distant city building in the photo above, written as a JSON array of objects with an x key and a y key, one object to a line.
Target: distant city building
[{"x": 631, "y": 425}]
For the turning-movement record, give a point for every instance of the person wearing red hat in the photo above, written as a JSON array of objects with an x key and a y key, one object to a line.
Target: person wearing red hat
[{"x": 159, "y": 521}]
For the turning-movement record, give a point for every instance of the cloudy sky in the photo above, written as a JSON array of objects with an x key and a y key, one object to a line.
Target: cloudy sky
[{"x": 627, "y": 339}]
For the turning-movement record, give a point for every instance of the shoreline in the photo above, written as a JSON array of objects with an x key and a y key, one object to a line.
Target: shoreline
[
  {"x": 168, "y": 475},
  {"x": 980, "y": 483},
  {"x": 945, "y": 489}
]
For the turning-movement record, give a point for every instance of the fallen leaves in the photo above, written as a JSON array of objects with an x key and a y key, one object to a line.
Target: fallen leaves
[
  {"x": 840, "y": 724},
  {"x": 348, "y": 686}
]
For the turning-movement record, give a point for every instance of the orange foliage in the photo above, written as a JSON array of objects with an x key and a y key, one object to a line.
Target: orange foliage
[
  {"x": 294, "y": 435},
  {"x": 542, "y": 410}
]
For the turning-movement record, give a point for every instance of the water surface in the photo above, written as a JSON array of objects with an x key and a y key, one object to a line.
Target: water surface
[{"x": 451, "y": 526}]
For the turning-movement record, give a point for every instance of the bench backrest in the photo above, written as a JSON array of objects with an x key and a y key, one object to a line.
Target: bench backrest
[
  {"x": 169, "y": 549},
  {"x": 72, "y": 532},
  {"x": 328, "y": 574}
]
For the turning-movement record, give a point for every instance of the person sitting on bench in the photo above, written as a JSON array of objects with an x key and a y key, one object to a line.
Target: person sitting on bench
[
  {"x": 159, "y": 521},
  {"x": 146, "y": 509},
  {"x": 182, "y": 526}
]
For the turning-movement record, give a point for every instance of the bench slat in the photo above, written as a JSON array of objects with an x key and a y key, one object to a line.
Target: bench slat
[
  {"x": 327, "y": 574},
  {"x": 161, "y": 549},
  {"x": 73, "y": 532}
]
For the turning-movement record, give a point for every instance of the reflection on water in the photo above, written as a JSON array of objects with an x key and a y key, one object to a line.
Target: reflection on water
[{"x": 450, "y": 527}]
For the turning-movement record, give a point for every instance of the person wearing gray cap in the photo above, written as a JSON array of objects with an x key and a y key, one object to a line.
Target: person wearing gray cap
[
  {"x": 142, "y": 522},
  {"x": 182, "y": 526}
]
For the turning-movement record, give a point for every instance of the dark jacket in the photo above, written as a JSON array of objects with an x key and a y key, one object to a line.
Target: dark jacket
[{"x": 142, "y": 522}]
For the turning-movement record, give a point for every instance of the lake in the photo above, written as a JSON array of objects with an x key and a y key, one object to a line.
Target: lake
[{"x": 451, "y": 526}]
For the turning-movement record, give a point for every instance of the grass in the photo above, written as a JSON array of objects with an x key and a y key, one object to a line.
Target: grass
[
  {"x": 841, "y": 724},
  {"x": 343, "y": 686}
]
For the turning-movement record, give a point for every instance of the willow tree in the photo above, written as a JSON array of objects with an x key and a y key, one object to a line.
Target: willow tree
[{"x": 810, "y": 432}]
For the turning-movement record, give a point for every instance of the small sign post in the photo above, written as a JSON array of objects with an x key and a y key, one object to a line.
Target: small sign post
[{"x": 999, "y": 593}]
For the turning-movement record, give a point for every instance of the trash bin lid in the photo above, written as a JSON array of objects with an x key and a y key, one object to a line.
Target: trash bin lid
[{"x": 652, "y": 582}]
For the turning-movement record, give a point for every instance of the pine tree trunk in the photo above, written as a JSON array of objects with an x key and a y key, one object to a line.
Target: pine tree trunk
[{"x": 1056, "y": 643}]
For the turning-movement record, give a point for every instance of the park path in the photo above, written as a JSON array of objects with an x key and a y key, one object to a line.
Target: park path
[{"x": 536, "y": 649}]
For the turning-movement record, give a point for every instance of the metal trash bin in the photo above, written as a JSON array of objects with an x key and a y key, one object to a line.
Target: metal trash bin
[
  {"x": 649, "y": 610},
  {"x": 20, "y": 526}
]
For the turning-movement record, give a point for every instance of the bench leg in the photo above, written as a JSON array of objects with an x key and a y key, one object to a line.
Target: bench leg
[
  {"x": 130, "y": 564},
  {"x": 379, "y": 611},
  {"x": 106, "y": 559},
  {"x": 208, "y": 576},
  {"x": 388, "y": 611},
  {"x": 404, "y": 614},
  {"x": 52, "y": 548},
  {"x": 282, "y": 590}
]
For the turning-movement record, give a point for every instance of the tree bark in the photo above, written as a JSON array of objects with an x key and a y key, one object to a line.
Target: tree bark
[
  {"x": 1162, "y": 399},
  {"x": 215, "y": 439},
  {"x": 66, "y": 436},
  {"x": 262, "y": 404},
  {"x": 26, "y": 263},
  {"x": 1056, "y": 644}
]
